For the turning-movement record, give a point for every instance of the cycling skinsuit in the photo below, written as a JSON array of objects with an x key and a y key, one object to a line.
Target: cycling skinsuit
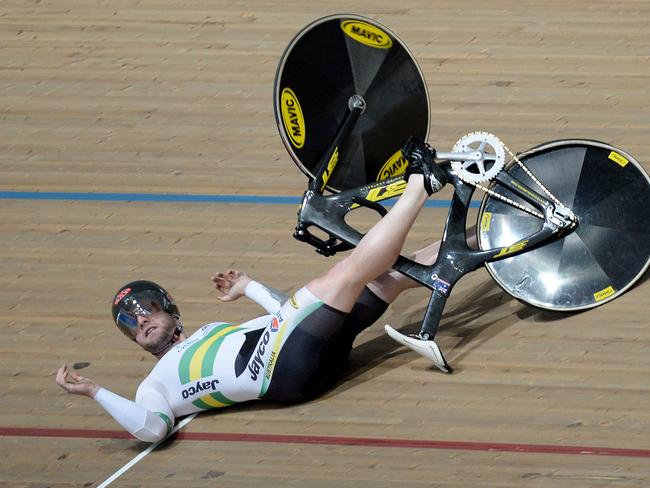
[{"x": 291, "y": 355}]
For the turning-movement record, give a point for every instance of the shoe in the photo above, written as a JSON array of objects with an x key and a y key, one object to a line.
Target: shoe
[
  {"x": 420, "y": 157},
  {"x": 428, "y": 349}
]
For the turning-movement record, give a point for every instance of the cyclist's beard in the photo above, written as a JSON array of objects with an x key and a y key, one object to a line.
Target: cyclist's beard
[{"x": 164, "y": 342}]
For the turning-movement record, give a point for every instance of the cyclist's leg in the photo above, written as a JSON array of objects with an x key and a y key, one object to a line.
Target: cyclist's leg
[
  {"x": 375, "y": 253},
  {"x": 316, "y": 352},
  {"x": 382, "y": 291},
  {"x": 390, "y": 284}
]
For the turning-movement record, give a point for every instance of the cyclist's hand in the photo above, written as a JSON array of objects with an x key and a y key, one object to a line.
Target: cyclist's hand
[
  {"x": 230, "y": 285},
  {"x": 75, "y": 383}
]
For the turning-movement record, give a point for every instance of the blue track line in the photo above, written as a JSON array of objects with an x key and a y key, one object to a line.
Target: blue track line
[{"x": 182, "y": 198}]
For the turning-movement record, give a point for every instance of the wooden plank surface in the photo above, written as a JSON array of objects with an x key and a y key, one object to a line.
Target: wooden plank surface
[{"x": 156, "y": 96}]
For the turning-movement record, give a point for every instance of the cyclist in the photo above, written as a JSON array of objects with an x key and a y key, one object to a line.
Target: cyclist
[{"x": 294, "y": 353}]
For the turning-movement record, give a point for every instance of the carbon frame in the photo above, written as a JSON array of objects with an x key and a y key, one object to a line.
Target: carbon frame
[{"x": 455, "y": 258}]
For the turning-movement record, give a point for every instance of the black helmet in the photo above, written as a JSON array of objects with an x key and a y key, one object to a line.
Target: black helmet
[{"x": 138, "y": 298}]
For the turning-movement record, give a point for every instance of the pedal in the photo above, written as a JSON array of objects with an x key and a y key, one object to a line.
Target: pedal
[{"x": 428, "y": 349}]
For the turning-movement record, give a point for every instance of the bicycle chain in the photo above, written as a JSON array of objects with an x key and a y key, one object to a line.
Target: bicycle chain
[
  {"x": 533, "y": 177},
  {"x": 505, "y": 199}
]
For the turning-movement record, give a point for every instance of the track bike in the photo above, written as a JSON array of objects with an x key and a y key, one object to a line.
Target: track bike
[{"x": 563, "y": 226}]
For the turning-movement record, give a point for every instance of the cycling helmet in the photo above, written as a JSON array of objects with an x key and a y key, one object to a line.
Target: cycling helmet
[{"x": 140, "y": 298}]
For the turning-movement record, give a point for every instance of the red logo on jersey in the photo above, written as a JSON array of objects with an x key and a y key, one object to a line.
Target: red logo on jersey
[
  {"x": 121, "y": 295},
  {"x": 275, "y": 324}
]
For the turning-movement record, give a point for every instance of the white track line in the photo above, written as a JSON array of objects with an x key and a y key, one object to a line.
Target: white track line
[{"x": 140, "y": 456}]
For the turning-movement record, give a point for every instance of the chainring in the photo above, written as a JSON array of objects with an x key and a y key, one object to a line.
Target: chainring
[{"x": 490, "y": 161}]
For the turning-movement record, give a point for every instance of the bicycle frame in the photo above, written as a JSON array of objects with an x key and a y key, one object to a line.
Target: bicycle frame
[{"x": 455, "y": 258}]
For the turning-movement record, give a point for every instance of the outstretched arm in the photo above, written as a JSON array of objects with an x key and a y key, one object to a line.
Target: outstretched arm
[
  {"x": 150, "y": 419},
  {"x": 75, "y": 383},
  {"x": 234, "y": 284}
]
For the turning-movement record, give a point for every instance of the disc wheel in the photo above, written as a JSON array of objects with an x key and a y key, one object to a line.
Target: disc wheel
[
  {"x": 327, "y": 63},
  {"x": 610, "y": 249}
]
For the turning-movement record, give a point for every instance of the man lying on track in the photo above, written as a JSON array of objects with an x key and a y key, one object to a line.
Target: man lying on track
[{"x": 293, "y": 354}]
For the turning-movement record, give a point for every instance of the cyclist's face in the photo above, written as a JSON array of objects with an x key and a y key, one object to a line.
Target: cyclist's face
[{"x": 155, "y": 330}]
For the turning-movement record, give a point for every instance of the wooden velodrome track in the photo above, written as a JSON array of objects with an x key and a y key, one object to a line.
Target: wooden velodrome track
[{"x": 168, "y": 97}]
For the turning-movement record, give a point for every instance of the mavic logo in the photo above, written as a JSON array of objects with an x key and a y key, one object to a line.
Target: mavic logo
[
  {"x": 395, "y": 166},
  {"x": 366, "y": 34},
  {"x": 292, "y": 117}
]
